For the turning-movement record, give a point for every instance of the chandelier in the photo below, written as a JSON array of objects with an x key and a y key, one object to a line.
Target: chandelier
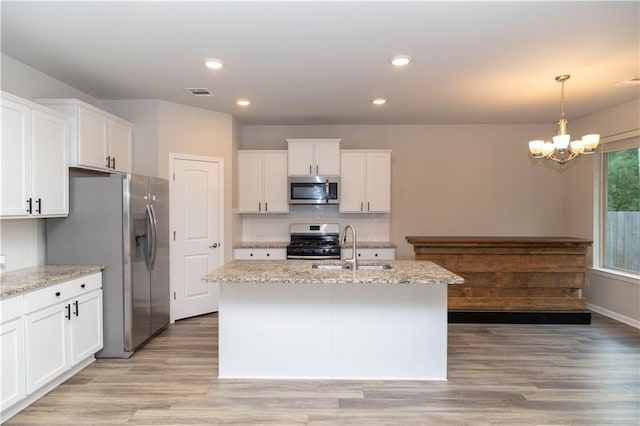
[{"x": 562, "y": 149}]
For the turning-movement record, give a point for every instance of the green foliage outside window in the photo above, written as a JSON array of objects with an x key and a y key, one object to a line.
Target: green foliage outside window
[{"x": 623, "y": 180}]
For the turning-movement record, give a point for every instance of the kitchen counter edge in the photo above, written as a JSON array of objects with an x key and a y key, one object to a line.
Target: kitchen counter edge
[
  {"x": 302, "y": 272},
  {"x": 33, "y": 278}
]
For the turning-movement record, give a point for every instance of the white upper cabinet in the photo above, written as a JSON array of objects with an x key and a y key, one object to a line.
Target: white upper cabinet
[
  {"x": 34, "y": 175},
  {"x": 365, "y": 181},
  {"x": 262, "y": 182},
  {"x": 314, "y": 157},
  {"x": 99, "y": 140},
  {"x": 120, "y": 146}
]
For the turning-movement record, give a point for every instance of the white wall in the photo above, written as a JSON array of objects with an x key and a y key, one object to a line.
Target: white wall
[
  {"x": 610, "y": 294},
  {"x": 449, "y": 179}
]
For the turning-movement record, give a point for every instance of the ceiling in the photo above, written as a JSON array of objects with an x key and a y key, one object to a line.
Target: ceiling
[{"x": 323, "y": 62}]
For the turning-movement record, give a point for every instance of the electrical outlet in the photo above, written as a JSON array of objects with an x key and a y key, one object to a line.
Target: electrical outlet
[{"x": 3, "y": 260}]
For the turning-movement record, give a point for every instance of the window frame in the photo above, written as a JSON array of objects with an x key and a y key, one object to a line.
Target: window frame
[{"x": 611, "y": 143}]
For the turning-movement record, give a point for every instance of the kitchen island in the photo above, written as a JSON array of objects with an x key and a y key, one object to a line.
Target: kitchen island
[{"x": 287, "y": 319}]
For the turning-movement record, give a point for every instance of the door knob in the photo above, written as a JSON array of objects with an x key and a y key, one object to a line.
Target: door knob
[{"x": 214, "y": 245}]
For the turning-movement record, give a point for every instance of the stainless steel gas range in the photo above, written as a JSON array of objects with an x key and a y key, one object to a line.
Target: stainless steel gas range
[{"x": 314, "y": 241}]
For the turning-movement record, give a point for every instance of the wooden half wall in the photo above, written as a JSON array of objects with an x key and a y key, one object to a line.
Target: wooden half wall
[{"x": 510, "y": 273}]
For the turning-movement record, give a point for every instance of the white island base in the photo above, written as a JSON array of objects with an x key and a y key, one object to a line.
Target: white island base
[{"x": 333, "y": 331}]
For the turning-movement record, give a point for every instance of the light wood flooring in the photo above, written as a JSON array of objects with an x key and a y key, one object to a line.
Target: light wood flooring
[{"x": 498, "y": 375}]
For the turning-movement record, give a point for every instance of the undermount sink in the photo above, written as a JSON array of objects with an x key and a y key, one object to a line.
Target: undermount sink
[{"x": 334, "y": 266}]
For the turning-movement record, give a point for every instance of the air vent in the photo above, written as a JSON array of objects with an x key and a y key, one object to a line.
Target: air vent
[{"x": 199, "y": 91}]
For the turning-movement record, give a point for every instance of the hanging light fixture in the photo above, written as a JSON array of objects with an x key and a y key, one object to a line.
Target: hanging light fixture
[{"x": 563, "y": 149}]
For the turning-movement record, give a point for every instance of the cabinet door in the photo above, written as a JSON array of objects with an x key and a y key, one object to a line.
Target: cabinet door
[
  {"x": 378, "y": 183},
  {"x": 50, "y": 171},
  {"x": 300, "y": 159},
  {"x": 120, "y": 146},
  {"x": 352, "y": 182},
  {"x": 249, "y": 183},
  {"x": 12, "y": 388},
  {"x": 86, "y": 329},
  {"x": 92, "y": 138},
  {"x": 275, "y": 183},
  {"x": 15, "y": 158},
  {"x": 47, "y": 355},
  {"x": 327, "y": 158}
]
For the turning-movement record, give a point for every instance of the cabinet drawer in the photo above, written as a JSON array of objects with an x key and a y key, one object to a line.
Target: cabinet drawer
[
  {"x": 260, "y": 254},
  {"x": 11, "y": 308},
  {"x": 370, "y": 253},
  {"x": 47, "y": 296}
]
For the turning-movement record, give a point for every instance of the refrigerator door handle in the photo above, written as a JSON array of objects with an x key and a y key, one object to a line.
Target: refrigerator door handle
[
  {"x": 154, "y": 228},
  {"x": 149, "y": 254}
]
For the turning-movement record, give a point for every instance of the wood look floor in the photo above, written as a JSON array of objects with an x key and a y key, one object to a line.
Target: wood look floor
[{"x": 498, "y": 375}]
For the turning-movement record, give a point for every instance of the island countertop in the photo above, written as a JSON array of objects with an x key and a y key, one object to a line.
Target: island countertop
[{"x": 301, "y": 271}]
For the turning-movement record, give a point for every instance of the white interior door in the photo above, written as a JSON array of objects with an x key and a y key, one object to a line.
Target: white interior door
[{"x": 196, "y": 204}]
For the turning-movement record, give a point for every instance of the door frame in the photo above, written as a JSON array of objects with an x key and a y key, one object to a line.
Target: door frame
[{"x": 172, "y": 220}]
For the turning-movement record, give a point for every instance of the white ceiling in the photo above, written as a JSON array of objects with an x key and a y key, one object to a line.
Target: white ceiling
[{"x": 323, "y": 62}]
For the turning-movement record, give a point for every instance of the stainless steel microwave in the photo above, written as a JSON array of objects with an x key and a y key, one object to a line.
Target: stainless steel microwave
[{"x": 314, "y": 190}]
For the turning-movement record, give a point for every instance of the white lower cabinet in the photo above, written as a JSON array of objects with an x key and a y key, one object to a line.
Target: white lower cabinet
[
  {"x": 260, "y": 254},
  {"x": 12, "y": 372},
  {"x": 47, "y": 345},
  {"x": 57, "y": 332},
  {"x": 370, "y": 253}
]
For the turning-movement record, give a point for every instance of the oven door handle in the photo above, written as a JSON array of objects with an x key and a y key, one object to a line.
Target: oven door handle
[{"x": 297, "y": 257}]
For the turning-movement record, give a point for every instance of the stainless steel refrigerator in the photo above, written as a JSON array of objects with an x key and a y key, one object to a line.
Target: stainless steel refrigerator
[{"x": 122, "y": 222}]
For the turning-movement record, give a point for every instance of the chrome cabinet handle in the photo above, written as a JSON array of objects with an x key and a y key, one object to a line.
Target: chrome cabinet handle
[
  {"x": 113, "y": 163},
  {"x": 259, "y": 207},
  {"x": 368, "y": 207},
  {"x": 108, "y": 158},
  {"x": 266, "y": 206}
]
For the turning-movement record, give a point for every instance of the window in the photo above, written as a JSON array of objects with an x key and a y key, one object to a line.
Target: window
[{"x": 620, "y": 248}]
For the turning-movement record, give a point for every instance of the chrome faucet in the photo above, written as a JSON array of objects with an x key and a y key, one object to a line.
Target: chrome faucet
[{"x": 354, "y": 257}]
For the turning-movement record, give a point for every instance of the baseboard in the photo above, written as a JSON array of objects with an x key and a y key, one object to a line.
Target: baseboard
[
  {"x": 520, "y": 317},
  {"x": 614, "y": 315}
]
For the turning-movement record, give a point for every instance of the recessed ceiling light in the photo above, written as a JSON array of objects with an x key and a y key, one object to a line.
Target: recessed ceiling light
[
  {"x": 400, "y": 60},
  {"x": 243, "y": 102},
  {"x": 379, "y": 101},
  {"x": 213, "y": 63},
  {"x": 633, "y": 81}
]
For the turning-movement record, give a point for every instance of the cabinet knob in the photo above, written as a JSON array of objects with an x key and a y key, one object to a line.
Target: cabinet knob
[
  {"x": 268, "y": 254},
  {"x": 83, "y": 285},
  {"x": 57, "y": 294}
]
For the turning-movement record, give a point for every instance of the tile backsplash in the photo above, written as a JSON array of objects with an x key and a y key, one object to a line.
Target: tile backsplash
[
  {"x": 22, "y": 241},
  {"x": 275, "y": 227}
]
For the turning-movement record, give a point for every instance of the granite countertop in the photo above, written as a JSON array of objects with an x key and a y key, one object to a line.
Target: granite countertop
[
  {"x": 33, "y": 278},
  {"x": 260, "y": 244},
  {"x": 301, "y": 271}
]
